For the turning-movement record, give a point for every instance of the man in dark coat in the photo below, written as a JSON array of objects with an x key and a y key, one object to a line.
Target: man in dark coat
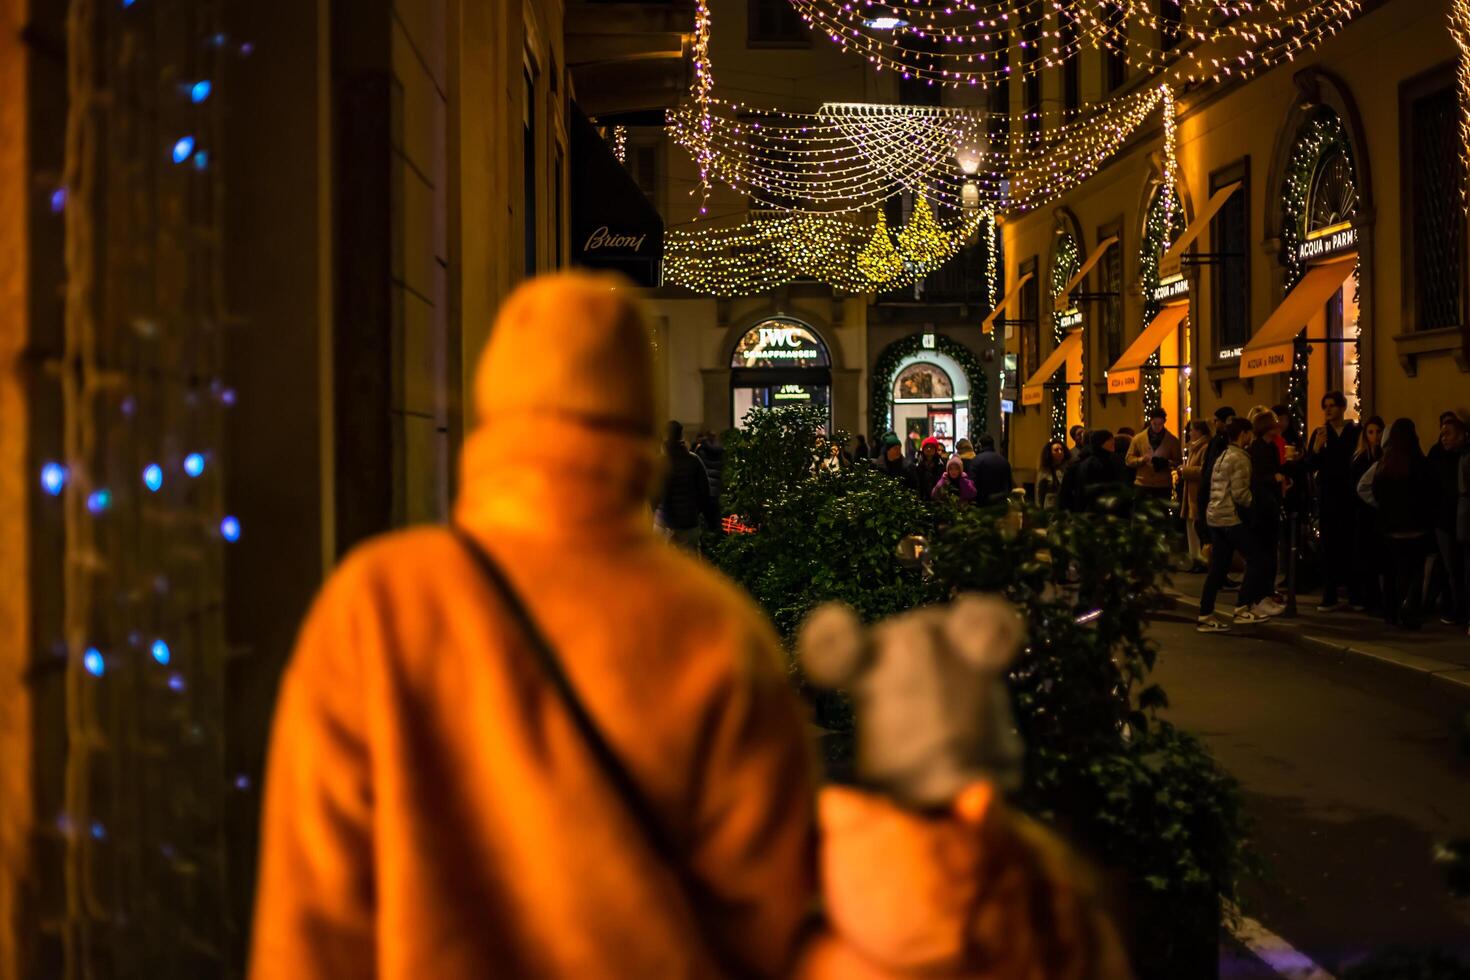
[
  {"x": 990, "y": 472},
  {"x": 891, "y": 460},
  {"x": 1330, "y": 460},
  {"x": 1100, "y": 472},
  {"x": 686, "y": 495},
  {"x": 712, "y": 454}
]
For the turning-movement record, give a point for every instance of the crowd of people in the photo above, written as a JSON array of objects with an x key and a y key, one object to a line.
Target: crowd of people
[{"x": 1383, "y": 524}]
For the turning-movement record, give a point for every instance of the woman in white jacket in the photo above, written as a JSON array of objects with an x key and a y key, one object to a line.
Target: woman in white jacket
[{"x": 1230, "y": 501}]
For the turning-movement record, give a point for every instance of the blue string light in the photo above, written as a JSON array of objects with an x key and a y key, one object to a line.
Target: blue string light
[
  {"x": 183, "y": 149},
  {"x": 153, "y": 477},
  {"x": 201, "y": 160},
  {"x": 99, "y": 832},
  {"x": 99, "y": 500},
  {"x": 199, "y": 91},
  {"x": 194, "y": 464},
  {"x": 58, "y": 200},
  {"x": 176, "y": 682},
  {"x": 229, "y": 528},
  {"x": 160, "y": 652},
  {"x": 53, "y": 478},
  {"x": 93, "y": 663}
]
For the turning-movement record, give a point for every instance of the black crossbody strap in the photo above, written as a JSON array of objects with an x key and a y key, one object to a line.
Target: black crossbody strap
[{"x": 607, "y": 759}]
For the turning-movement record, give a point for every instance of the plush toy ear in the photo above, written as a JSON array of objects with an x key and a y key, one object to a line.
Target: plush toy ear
[
  {"x": 984, "y": 631},
  {"x": 832, "y": 645}
]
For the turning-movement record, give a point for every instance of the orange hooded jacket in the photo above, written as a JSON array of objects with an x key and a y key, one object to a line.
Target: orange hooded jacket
[{"x": 430, "y": 810}]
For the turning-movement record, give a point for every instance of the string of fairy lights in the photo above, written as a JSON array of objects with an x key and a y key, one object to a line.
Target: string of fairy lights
[
  {"x": 824, "y": 177},
  {"x": 964, "y": 44},
  {"x": 1066, "y": 258},
  {"x": 844, "y": 250},
  {"x": 1459, "y": 25}
]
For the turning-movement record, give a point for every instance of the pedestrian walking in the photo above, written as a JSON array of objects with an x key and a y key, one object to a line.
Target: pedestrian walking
[
  {"x": 711, "y": 453},
  {"x": 1329, "y": 459},
  {"x": 1052, "y": 467},
  {"x": 1153, "y": 457},
  {"x": 1078, "y": 435},
  {"x": 965, "y": 450},
  {"x": 929, "y": 467},
  {"x": 686, "y": 497},
  {"x": 1365, "y": 591},
  {"x": 1228, "y": 517},
  {"x": 1448, "y": 574},
  {"x": 1403, "y": 488},
  {"x": 892, "y": 460},
  {"x": 541, "y": 744},
  {"x": 1190, "y": 474},
  {"x": 955, "y": 484},
  {"x": 990, "y": 472},
  {"x": 1268, "y": 489},
  {"x": 1218, "y": 443},
  {"x": 1099, "y": 474}
]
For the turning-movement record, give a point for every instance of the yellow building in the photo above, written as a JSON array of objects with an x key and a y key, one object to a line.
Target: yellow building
[{"x": 1320, "y": 199}]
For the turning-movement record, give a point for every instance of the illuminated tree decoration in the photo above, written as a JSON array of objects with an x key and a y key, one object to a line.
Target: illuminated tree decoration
[
  {"x": 1163, "y": 224},
  {"x": 1066, "y": 259},
  {"x": 922, "y": 241},
  {"x": 879, "y": 260},
  {"x": 1320, "y": 138}
]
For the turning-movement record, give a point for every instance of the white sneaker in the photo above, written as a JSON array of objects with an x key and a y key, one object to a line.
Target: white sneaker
[
  {"x": 1211, "y": 624},
  {"x": 1267, "y": 608},
  {"x": 1244, "y": 614}
]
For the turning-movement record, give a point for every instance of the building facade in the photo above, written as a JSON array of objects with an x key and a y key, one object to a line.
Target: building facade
[{"x": 1315, "y": 240}]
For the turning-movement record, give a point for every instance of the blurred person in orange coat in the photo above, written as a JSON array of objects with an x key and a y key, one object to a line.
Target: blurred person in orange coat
[{"x": 433, "y": 810}]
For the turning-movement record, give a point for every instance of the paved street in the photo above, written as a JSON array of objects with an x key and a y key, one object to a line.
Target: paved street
[{"x": 1351, "y": 775}]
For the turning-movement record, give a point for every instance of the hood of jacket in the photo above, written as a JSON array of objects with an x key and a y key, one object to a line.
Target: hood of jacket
[{"x": 594, "y": 402}]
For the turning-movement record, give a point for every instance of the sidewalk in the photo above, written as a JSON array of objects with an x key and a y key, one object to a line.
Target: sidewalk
[{"x": 1437, "y": 653}]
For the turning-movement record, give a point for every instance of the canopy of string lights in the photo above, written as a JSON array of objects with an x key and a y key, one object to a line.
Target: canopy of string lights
[{"x": 820, "y": 180}]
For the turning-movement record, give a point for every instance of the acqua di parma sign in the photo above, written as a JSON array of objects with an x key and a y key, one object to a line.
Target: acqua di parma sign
[{"x": 1329, "y": 241}]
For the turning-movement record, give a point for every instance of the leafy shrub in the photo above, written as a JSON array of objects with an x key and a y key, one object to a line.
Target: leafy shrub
[{"x": 1146, "y": 800}]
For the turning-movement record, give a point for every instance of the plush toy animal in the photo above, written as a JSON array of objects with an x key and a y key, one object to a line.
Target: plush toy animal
[{"x": 929, "y": 691}]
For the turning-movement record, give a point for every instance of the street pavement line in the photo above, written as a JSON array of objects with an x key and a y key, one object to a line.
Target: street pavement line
[{"x": 1275, "y": 952}]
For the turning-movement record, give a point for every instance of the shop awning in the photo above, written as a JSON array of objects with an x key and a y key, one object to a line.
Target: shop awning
[
  {"x": 1070, "y": 344},
  {"x": 989, "y": 324},
  {"x": 1062, "y": 301},
  {"x": 613, "y": 224},
  {"x": 1270, "y": 350},
  {"x": 1170, "y": 262},
  {"x": 1124, "y": 376}
]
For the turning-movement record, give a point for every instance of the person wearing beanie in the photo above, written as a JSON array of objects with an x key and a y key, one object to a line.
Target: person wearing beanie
[
  {"x": 1154, "y": 456},
  {"x": 955, "y": 483},
  {"x": 891, "y": 459},
  {"x": 434, "y": 807},
  {"x": 929, "y": 467}
]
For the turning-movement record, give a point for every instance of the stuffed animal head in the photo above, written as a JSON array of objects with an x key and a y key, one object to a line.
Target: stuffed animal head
[{"x": 929, "y": 691}]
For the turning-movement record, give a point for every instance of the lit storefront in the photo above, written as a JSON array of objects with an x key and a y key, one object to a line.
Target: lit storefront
[
  {"x": 779, "y": 362},
  {"x": 934, "y": 386},
  {"x": 1313, "y": 334}
]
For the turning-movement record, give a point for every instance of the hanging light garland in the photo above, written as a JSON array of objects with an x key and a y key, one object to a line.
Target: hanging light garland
[
  {"x": 1171, "y": 163},
  {"x": 620, "y": 144},
  {"x": 842, "y": 250},
  {"x": 962, "y": 44},
  {"x": 1459, "y": 20},
  {"x": 1164, "y": 223},
  {"x": 1066, "y": 258}
]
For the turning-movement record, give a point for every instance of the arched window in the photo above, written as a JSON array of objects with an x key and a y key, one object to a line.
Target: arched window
[{"x": 779, "y": 362}]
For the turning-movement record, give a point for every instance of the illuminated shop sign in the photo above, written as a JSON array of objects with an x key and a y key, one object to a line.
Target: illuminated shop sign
[
  {"x": 1171, "y": 289},
  {"x": 779, "y": 343},
  {"x": 792, "y": 393},
  {"x": 1071, "y": 318},
  {"x": 1327, "y": 241},
  {"x": 1007, "y": 406},
  {"x": 1228, "y": 353}
]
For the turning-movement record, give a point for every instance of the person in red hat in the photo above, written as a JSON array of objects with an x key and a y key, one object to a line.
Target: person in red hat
[{"x": 929, "y": 467}]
